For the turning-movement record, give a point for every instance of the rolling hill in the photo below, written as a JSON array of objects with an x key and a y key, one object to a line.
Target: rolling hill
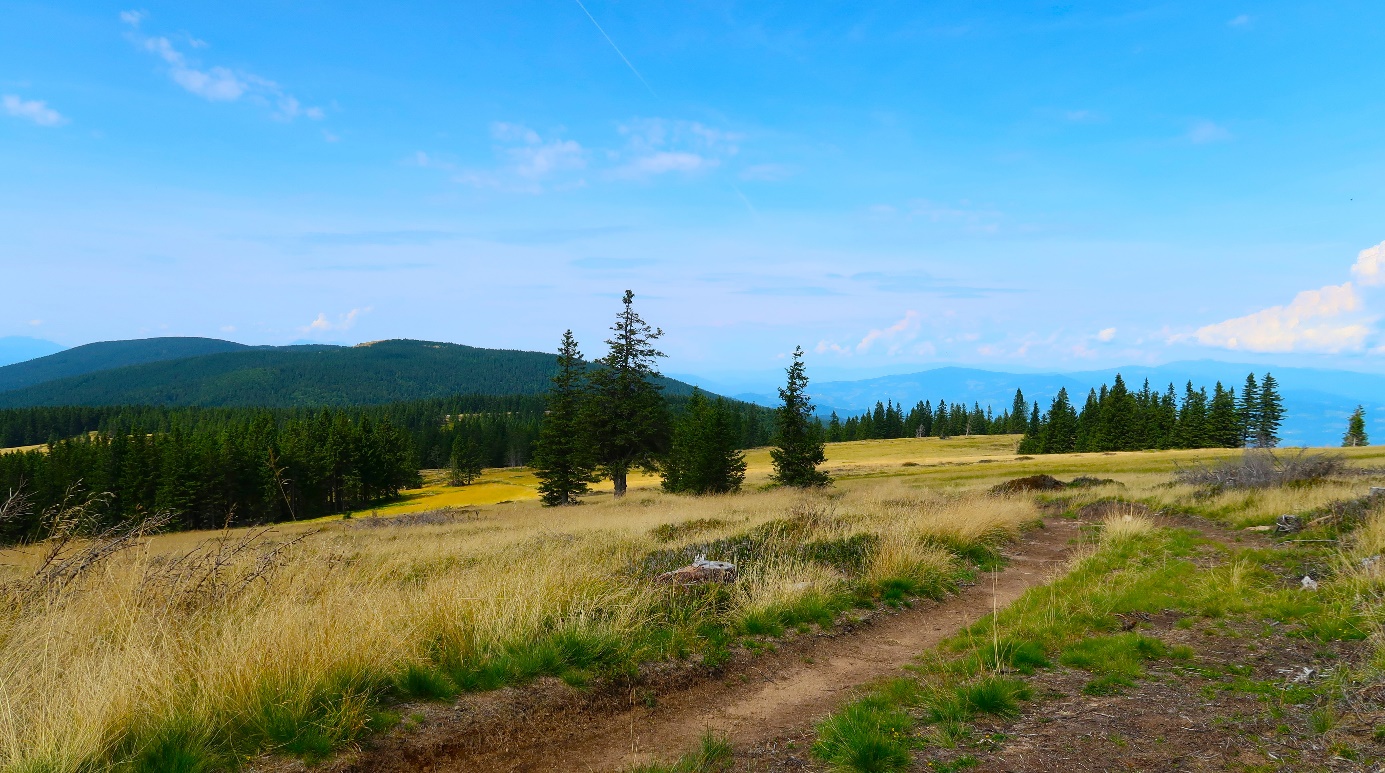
[
  {"x": 288, "y": 376},
  {"x": 105, "y": 355},
  {"x": 20, "y": 348}
]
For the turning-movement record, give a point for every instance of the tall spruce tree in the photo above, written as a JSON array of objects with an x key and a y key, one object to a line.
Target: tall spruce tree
[
  {"x": 626, "y": 410},
  {"x": 1356, "y": 429},
  {"x": 1249, "y": 410},
  {"x": 798, "y": 447},
  {"x": 563, "y": 456},
  {"x": 703, "y": 457},
  {"x": 1223, "y": 426},
  {"x": 1060, "y": 433},
  {"x": 1018, "y": 408},
  {"x": 1271, "y": 413}
]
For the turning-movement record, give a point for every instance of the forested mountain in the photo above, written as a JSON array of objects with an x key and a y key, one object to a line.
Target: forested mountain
[
  {"x": 280, "y": 377},
  {"x": 105, "y": 355}
]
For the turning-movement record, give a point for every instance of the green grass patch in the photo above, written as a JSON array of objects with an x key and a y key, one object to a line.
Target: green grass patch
[{"x": 713, "y": 755}]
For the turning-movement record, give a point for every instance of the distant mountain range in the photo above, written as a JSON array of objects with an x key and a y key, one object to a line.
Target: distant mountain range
[
  {"x": 210, "y": 372},
  {"x": 1317, "y": 401}
]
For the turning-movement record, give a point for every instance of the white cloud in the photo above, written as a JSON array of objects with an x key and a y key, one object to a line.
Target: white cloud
[
  {"x": 1369, "y": 268},
  {"x": 1106, "y": 335},
  {"x": 35, "y": 322},
  {"x": 1323, "y": 320},
  {"x": 216, "y": 83},
  {"x": 344, "y": 322},
  {"x": 228, "y": 328},
  {"x": 1239, "y": 21},
  {"x": 894, "y": 336},
  {"x": 1203, "y": 132},
  {"x": 1331, "y": 319},
  {"x": 531, "y": 162},
  {"x": 31, "y": 110},
  {"x": 658, "y": 146}
]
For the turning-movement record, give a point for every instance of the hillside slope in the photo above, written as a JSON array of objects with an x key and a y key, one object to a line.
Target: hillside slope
[
  {"x": 105, "y": 355},
  {"x": 280, "y": 377}
]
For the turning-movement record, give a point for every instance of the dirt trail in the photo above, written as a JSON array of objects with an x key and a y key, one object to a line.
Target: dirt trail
[{"x": 756, "y": 700}]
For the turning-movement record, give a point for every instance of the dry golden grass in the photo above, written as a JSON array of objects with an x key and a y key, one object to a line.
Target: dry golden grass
[{"x": 134, "y": 647}]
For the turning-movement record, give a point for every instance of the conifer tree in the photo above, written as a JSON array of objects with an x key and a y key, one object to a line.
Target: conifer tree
[
  {"x": 626, "y": 411},
  {"x": 1088, "y": 421},
  {"x": 1060, "y": 433},
  {"x": 1117, "y": 418},
  {"x": 1192, "y": 419},
  {"x": 798, "y": 447},
  {"x": 1249, "y": 410},
  {"x": 1271, "y": 413},
  {"x": 703, "y": 458},
  {"x": 464, "y": 465},
  {"x": 834, "y": 429},
  {"x": 1356, "y": 429},
  {"x": 1018, "y": 408},
  {"x": 1223, "y": 427},
  {"x": 942, "y": 422},
  {"x": 563, "y": 456}
]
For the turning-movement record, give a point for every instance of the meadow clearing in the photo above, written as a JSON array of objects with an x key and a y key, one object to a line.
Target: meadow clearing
[{"x": 201, "y": 651}]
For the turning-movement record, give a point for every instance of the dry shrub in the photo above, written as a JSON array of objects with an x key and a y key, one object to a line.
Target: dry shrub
[{"x": 1263, "y": 468}]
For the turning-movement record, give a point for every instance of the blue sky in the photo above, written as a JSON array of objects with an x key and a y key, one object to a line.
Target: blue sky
[{"x": 1014, "y": 185}]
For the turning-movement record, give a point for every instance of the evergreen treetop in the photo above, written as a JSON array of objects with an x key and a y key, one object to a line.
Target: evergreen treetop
[{"x": 798, "y": 446}]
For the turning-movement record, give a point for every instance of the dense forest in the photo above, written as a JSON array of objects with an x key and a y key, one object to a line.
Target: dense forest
[
  {"x": 303, "y": 376},
  {"x": 1117, "y": 419},
  {"x": 256, "y": 465}
]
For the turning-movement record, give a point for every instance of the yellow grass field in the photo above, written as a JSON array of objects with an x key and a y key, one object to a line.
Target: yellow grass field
[{"x": 195, "y": 638}]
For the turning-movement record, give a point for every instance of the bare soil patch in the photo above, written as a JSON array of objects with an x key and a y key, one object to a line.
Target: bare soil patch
[{"x": 753, "y": 700}]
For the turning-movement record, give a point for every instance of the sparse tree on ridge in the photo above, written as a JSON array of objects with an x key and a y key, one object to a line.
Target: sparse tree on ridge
[
  {"x": 798, "y": 443},
  {"x": 626, "y": 411},
  {"x": 563, "y": 460},
  {"x": 1356, "y": 429},
  {"x": 703, "y": 458}
]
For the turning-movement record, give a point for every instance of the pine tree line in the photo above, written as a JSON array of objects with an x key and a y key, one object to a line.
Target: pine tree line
[
  {"x": 889, "y": 420},
  {"x": 1116, "y": 419},
  {"x": 257, "y": 471}
]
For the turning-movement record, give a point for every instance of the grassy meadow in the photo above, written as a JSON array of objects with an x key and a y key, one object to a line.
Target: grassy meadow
[{"x": 199, "y": 650}]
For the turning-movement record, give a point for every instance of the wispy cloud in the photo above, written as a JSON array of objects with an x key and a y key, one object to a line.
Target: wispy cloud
[
  {"x": 216, "y": 83},
  {"x": 343, "y": 322},
  {"x": 1203, "y": 132},
  {"x": 611, "y": 264},
  {"x": 656, "y": 146},
  {"x": 1106, "y": 335},
  {"x": 897, "y": 338},
  {"x": 919, "y": 282},
  {"x": 34, "y": 110},
  {"x": 1238, "y": 21},
  {"x": 531, "y": 164},
  {"x": 766, "y": 172}
]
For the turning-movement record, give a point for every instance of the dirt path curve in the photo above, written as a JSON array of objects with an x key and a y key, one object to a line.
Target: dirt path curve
[{"x": 753, "y": 702}]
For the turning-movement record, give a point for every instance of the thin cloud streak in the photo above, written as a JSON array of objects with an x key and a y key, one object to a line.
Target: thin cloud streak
[{"x": 615, "y": 48}]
